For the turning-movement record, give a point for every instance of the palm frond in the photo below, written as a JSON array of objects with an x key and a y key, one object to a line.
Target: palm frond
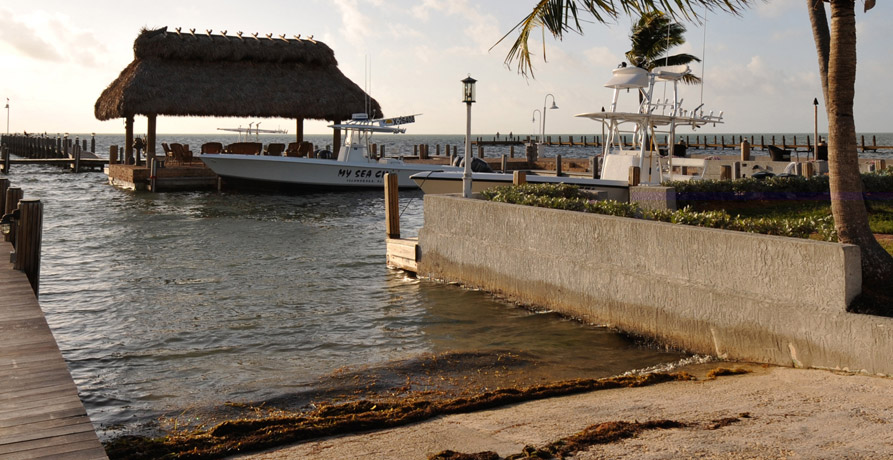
[{"x": 562, "y": 16}]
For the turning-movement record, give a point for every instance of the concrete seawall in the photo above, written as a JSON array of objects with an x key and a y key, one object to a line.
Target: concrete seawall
[{"x": 738, "y": 295}]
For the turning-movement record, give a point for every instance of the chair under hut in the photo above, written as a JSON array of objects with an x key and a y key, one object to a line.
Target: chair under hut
[
  {"x": 212, "y": 147},
  {"x": 274, "y": 149}
]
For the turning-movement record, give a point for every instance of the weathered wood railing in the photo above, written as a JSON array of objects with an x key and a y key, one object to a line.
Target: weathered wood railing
[{"x": 22, "y": 226}]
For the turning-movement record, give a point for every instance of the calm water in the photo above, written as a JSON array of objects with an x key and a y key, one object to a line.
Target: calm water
[{"x": 168, "y": 302}]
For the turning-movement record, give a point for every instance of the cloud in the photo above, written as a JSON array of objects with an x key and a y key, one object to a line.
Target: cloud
[
  {"x": 25, "y": 39},
  {"x": 357, "y": 26},
  {"x": 46, "y": 37},
  {"x": 777, "y": 8},
  {"x": 602, "y": 57}
]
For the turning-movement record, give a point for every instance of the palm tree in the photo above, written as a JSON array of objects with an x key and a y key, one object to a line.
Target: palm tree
[
  {"x": 836, "y": 51},
  {"x": 652, "y": 37},
  {"x": 837, "y": 56}
]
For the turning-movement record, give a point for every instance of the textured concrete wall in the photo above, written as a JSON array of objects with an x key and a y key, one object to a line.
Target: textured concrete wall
[{"x": 745, "y": 296}]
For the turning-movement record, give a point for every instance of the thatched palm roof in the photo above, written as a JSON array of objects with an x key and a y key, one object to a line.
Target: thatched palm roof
[{"x": 227, "y": 76}]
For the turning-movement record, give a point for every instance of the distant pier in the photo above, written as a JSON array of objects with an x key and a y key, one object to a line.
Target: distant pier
[{"x": 705, "y": 142}]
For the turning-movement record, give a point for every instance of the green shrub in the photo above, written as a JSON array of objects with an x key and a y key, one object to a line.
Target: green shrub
[{"x": 572, "y": 198}]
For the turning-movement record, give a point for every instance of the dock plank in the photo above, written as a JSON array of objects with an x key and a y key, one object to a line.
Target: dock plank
[{"x": 41, "y": 415}]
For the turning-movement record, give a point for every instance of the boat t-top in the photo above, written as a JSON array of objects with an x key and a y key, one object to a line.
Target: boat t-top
[
  {"x": 353, "y": 167},
  {"x": 652, "y": 119}
]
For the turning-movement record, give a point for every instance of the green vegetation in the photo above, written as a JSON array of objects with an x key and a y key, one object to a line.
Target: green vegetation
[
  {"x": 785, "y": 206},
  {"x": 572, "y": 198},
  {"x": 789, "y": 198}
]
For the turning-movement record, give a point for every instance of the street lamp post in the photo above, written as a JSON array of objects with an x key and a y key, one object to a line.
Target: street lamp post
[
  {"x": 815, "y": 130},
  {"x": 468, "y": 99},
  {"x": 544, "y": 112},
  {"x": 533, "y": 119}
]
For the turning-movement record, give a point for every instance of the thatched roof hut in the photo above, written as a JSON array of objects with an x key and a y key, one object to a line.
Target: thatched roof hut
[
  {"x": 205, "y": 75},
  {"x": 185, "y": 74}
]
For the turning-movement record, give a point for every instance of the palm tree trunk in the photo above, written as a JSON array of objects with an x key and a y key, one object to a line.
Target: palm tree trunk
[
  {"x": 822, "y": 36},
  {"x": 847, "y": 203}
]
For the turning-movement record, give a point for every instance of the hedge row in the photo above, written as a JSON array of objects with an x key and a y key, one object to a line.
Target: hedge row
[
  {"x": 875, "y": 185},
  {"x": 572, "y": 198}
]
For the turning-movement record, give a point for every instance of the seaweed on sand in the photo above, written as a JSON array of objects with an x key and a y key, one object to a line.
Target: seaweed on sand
[{"x": 244, "y": 435}]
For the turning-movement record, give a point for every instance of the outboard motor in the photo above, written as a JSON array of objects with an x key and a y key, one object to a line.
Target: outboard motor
[{"x": 477, "y": 164}]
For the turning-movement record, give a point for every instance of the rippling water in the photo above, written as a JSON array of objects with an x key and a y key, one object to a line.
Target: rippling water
[{"x": 167, "y": 302}]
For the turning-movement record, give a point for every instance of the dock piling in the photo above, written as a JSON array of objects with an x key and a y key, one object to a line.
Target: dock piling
[
  {"x": 519, "y": 177},
  {"x": 392, "y": 206},
  {"x": 28, "y": 240},
  {"x": 635, "y": 175}
]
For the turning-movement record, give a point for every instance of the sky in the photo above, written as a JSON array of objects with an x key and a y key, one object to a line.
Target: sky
[{"x": 760, "y": 68}]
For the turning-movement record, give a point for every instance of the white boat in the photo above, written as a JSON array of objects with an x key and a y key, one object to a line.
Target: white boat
[
  {"x": 652, "y": 118},
  {"x": 353, "y": 168}
]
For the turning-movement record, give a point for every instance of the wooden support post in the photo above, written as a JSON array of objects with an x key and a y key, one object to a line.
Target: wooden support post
[
  {"x": 635, "y": 175},
  {"x": 392, "y": 206},
  {"x": 4, "y": 185},
  {"x": 415, "y": 150},
  {"x": 519, "y": 177},
  {"x": 150, "y": 136},
  {"x": 504, "y": 163},
  {"x": 726, "y": 172},
  {"x": 593, "y": 167},
  {"x": 736, "y": 170},
  {"x": 28, "y": 240},
  {"x": 128, "y": 140},
  {"x": 480, "y": 151},
  {"x": 863, "y": 143},
  {"x": 382, "y": 151},
  {"x": 558, "y": 165},
  {"x": 6, "y": 163},
  {"x": 113, "y": 154},
  {"x": 437, "y": 149},
  {"x": 299, "y": 130},
  {"x": 512, "y": 151},
  {"x": 745, "y": 150},
  {"x": 77, "y": 158},
  {"x": 93, "y": 143},
  {"x": 13, "y": 195}
]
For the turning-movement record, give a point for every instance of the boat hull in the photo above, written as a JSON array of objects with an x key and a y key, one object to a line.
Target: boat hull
[
  {"x": 437, "y": 182},
  {"x": 312, "y": 172}
]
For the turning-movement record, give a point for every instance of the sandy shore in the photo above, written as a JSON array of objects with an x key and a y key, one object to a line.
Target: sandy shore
[{"x": 781, "y": 412}]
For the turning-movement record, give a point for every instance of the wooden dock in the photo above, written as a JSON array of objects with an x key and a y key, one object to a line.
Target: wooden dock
[{"x": 41, "y": 415}]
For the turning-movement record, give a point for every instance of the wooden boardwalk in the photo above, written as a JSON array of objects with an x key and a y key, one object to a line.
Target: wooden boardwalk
[{"x": 41, "y": 415}]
